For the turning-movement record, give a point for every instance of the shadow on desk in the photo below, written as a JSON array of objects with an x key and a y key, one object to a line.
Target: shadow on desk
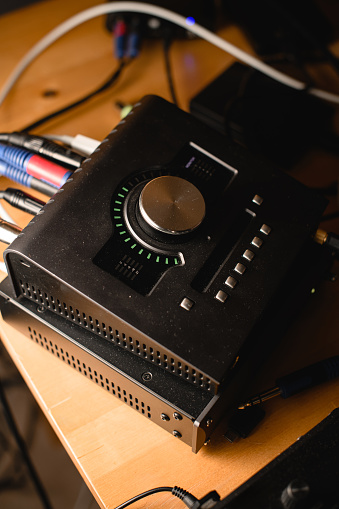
[{"x": 59, "y": 477}]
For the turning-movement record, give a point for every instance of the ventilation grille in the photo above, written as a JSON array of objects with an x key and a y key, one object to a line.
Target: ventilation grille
[
  {"x": 202, "y": 169},
  {"x": 128, "y": 267},
  {"x": 115, "y": 336},
  {"x": 90, "y": 373}
]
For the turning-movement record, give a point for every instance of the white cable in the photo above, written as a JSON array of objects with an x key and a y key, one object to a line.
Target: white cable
[
  {"x": 152, "y": 10},
  {"x": 84, "y": 144},
  {"x": 79, "y": 142},
  {"x": 3, "y": 267},
  {"x": 64, "y": 138},
  {"x": 4, "y": 215}
]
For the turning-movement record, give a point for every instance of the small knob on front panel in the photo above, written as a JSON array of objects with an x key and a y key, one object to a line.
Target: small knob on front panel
[
  {"x": 172, "y": 205},
  {"x": 294, "y": 494}
]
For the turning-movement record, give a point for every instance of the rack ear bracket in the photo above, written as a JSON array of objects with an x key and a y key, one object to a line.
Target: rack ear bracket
[{"x": 177, "y": 254}]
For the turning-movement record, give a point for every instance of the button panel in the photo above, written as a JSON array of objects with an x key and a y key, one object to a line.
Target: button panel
[
  {"x": 240, "y": 268},
  {"x": 221, "y": 296},
  {"x": 257, "y": 199},
  {"x": 231, "y": 282},
  {"x": 248, "y": 255},
  {"x": 257, "y": 242},
  {"x": 266, "y": 230},
  {"x": 187, "y": 303}
]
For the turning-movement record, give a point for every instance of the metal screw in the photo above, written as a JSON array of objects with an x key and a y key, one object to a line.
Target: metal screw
[{"x": 147, "y": 377}]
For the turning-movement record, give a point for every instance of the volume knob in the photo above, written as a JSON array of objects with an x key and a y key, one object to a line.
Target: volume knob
[{"x": 172, "y": 205}]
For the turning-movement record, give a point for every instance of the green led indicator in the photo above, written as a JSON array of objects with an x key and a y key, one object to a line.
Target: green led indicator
[
  {"x": 176, "y": 261},
  {"x": 121, "y": 195},
  {"x": 141, "y": 251},
  {"x": 117, "y": 225},
  {"x": 125, "y": 189},
  {"x": 132, "y": 247},
  {"x": 128, "y": 239},
  {"x": 117, "y": 217},
  {"x": 118, "y": 202},
  {"x": 117, "y": 210},
  {"x": 157, "y": 259},
  {"x": 166, "y": 261},
  {"x": 121, "y": 233},
  {"x": 149, "y": 256}
]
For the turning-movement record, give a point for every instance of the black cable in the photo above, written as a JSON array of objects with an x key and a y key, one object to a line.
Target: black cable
[
  {"x": 143, "y": 495},
  {"x": 329, "y": 217},
  {"x": 21, "y": 200},
  {"x": 166, "y": 46},
  {"x": 111, "y": 80},
  {"x": 44, "y": 147},
  {"x": 189, "y": 500},
  {"x": 23, "y": 450},
  {"x": 332, "y": 241}
]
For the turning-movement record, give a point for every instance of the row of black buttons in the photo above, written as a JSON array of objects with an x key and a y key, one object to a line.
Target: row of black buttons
[{"x": 231, "y": 282}]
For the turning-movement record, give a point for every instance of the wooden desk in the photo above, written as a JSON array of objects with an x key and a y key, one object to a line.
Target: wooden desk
[{"x": 117, "y": 451}]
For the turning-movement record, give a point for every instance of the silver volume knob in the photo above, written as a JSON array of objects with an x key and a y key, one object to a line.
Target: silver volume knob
[{"x": 172, "y": 205}]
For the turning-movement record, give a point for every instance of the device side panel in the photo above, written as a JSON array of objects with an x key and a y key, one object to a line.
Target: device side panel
[{"x": 156, "y": 409}]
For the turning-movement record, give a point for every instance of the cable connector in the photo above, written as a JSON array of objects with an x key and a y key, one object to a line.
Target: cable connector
[
  {"x": 8, "y": 231},
  {"x": 188, "y": 499},
  {"x": 320, "y": 236},
  {"x": 34, "y": 165},
  {"x": 207, "y": 502},
  {"x": 332, "y": 241},
  {"x": 44, "y": 147},
  {"x": 21, "y": 200},
  {"x": 328, "y": 239},
  {"x": 20, "y": 177},
  {"x": 82, "y": 144},
  {"x": 305, "y": 378}
]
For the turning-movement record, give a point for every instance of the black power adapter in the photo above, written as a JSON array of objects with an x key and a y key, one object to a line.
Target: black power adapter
[{"x": 272, "y": 119}]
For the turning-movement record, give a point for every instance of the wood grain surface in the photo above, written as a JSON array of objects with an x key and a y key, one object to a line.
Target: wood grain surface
[{"x": 118, "y": 452}]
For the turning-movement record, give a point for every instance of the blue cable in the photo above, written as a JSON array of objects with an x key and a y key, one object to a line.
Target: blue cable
[
  {"x": 15, "y": 174},
  {"x": 16, "y": 157},
  {"x": 35, "y": 165},
  {"x": 23, "y": 178},
  {"x": 133, "y": 43}
]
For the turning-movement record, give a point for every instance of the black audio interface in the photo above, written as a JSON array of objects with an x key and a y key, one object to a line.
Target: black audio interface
[{"x": 166, "y": 267}]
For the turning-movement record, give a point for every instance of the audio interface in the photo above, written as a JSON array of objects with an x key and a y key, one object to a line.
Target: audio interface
[{"x": 167, "y": 265}]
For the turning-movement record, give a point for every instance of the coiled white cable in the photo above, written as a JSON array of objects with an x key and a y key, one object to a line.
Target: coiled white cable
[{"x": 152, "y": 10}]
